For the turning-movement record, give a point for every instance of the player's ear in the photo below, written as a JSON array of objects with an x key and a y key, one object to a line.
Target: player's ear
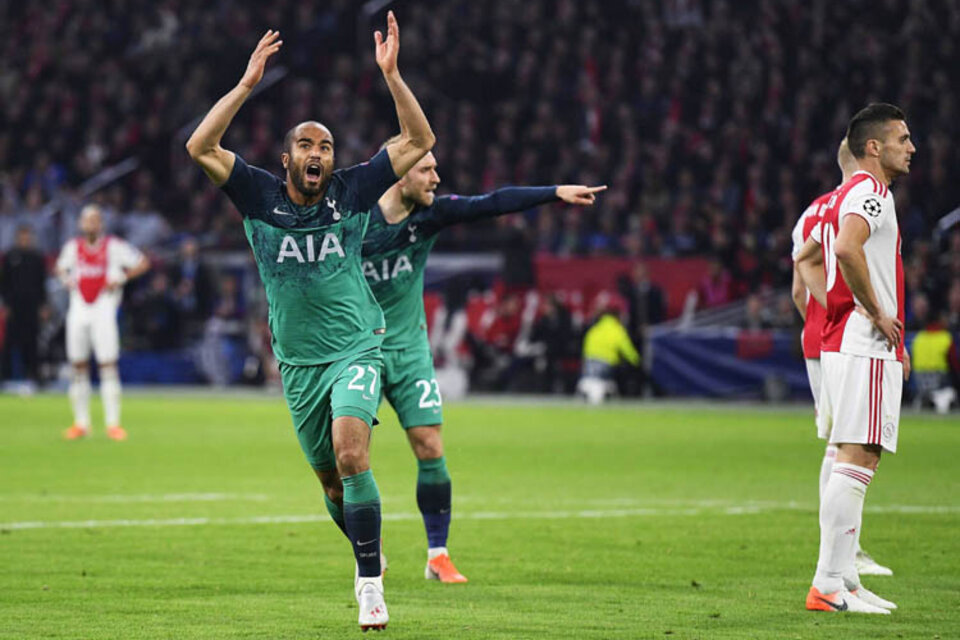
[
  {"x": 285, "y": 159},
  {"x": 872, "y": 148}
]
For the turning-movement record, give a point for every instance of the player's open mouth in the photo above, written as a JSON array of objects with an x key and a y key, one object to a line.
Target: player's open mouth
[{"x": 314, "y": 172}]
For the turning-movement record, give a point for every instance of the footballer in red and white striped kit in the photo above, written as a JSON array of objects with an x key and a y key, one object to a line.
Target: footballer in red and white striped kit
[
  {"x": 94, "y": 268},
  {"x": 862, "y": 357},
  {"x": 806, "y": 236}
]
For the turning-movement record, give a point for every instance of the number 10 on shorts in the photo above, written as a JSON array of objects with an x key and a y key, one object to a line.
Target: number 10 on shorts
[{"x": 429, "y": 388}]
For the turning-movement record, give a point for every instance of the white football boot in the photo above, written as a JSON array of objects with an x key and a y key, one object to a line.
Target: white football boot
[
  {"x": 373, "y": 609},
  {"x": 867, "y": 566},
  {"x": 870, "y": 597},
  {"x": 840, "y": 601}
]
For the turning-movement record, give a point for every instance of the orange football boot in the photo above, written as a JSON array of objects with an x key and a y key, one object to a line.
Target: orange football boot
[
  {"x": 441, "y": 568},
  {"x": 116, "y": 433},
  {"x": 838, "y": 601},
  {"x": 76, "y": 432}
]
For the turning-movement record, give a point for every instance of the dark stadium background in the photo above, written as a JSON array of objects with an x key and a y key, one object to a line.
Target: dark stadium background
[{"x": 713, "y": 123}]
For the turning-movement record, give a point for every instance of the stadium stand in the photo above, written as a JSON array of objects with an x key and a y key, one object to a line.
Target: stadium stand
[{"x": 714, "y": 123}]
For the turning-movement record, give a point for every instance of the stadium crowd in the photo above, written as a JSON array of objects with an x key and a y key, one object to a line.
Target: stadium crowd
[{"x": 714, "y": 123}]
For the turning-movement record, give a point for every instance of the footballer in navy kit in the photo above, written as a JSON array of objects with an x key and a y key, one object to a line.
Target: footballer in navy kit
[
  {"x": 306, "y": 234},
  {"x": 403, "y": 228}
]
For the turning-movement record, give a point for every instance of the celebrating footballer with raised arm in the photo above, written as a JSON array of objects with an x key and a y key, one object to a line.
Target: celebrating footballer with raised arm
[
  {"x": 403, "y": 228},
  {"x": 306, "y": 234},
  {"x": 863, "y": 361}
]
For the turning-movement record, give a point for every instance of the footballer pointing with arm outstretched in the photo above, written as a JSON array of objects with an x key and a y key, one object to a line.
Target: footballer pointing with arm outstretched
[{"x": 403, "y": 229}]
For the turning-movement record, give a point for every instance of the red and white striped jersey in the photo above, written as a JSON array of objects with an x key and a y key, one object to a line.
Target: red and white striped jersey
[
  {"x": 846, "y": 330},
  {"x": 808, "y": 224},
  {"x": 92, "y": 267}
]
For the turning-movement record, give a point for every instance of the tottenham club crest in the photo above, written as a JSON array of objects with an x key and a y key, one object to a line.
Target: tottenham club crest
[
  {"x": 412, "y": 228},
  {"x": 872, "y": 207},
  {"x": 333, "y": 207}
]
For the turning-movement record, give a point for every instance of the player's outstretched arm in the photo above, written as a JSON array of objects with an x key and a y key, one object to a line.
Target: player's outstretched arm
[
  {"x": 808, "y": 267},
  {"x": 416, "y": 137},
  {"x": 204, "y": 145},
  {"x": 451, "y": 210},
  {"x": 852, "y": 262}
]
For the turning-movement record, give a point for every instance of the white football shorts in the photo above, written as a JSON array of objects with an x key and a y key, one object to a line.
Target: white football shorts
[
  {"x": 860, "y": 400},
  {"x": 93, "y": 328},
  {"x": 813, "y": 375}
]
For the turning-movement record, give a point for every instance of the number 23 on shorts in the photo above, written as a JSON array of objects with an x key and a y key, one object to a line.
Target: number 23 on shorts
[{"x": 429, "y": 388}]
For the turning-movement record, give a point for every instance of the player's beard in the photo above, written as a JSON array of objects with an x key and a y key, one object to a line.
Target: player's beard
[
  {"x": 426, "y": 198},
  {"x": 296, "y": 176}
]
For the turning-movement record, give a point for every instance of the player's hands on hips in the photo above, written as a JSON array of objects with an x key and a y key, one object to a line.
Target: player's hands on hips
[
  {"x": 269, "y": 44},
  {"x": 891, "y": 328},
  {"x": 388, "y": 50},
  {"x": 907, "y": 365},
  {"x": 579, "y": 194},
  {"x": 115, "y": 281}
]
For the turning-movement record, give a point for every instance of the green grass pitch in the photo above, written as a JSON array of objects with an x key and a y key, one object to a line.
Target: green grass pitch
[{"x": 658, "y": 521}]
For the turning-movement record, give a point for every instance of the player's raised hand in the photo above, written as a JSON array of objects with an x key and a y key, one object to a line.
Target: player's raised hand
[
  {"x": 388, "y": 50},
  {"x": 579, "y": 194},
  {"x": 269, "y": 44}
]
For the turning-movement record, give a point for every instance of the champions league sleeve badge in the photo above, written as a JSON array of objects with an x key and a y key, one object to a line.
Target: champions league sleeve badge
[{"x": 872, "y": 207}]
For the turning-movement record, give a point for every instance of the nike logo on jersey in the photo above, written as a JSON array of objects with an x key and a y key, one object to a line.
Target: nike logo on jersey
[
  {"x": 839, "y": 607},
  {"x": 279, "y": 212}
]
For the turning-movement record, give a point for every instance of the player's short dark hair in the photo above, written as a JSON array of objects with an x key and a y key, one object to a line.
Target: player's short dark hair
[
  {"x": 289, "y": 135},
  {"x": 868, "y": 125},
  {"x": 288, "y": 139}
]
